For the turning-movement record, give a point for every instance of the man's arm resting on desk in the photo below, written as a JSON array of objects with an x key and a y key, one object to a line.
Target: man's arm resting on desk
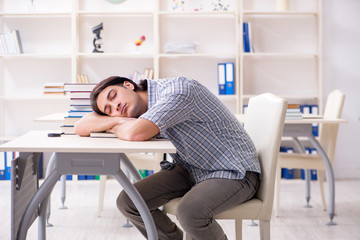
[{"x": 131, "y": 129}]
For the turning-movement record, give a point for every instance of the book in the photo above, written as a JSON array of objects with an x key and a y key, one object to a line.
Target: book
[
  {"x": 246, "y": 38},
  {"x": 80, "y": 107},
  {"x": 102, "y": 134},
  {"x": 80, "y": 94},
  {"x": 17, "y": 41},
  {"x": 221, "y": 78},
  {"x": 79, "y": 87},
  {"x": 71, "y": 120},
  {"x": 72, "y": 113},
  {"x": 229, "y": 78},
  {"x": 80, "y": 101},
  {"x": 67, "y": 129}
]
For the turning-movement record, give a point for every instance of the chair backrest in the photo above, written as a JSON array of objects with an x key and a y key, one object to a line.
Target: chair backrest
[
  {"x": 264, "y": 121},
  {"x": 328, "y": 132}
]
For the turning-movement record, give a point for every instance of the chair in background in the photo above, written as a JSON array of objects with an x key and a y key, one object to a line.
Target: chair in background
[
  {"x": 264, "y": 122},
  {"x": 327, "y": 139},
  {"x": 140, "y": 161}
]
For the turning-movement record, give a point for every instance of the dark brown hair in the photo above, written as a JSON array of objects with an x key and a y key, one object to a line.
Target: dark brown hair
[{"x": 114, "y": 80}]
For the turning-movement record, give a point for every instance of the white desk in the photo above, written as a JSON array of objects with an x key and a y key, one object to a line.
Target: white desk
[
  {"x": 74, "y": 155},
  {"x": 303, "y": 128}
]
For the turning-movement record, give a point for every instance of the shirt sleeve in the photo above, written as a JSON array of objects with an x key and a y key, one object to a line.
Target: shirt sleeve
[{"x": 174, "y": 105}]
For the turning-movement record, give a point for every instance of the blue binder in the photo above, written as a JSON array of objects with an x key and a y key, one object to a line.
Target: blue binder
[
  {"x": 229, "y": 78},
  {"x": 2, "y": 167}
]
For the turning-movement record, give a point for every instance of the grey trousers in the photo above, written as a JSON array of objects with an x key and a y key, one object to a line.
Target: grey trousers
[{"x": 199, "y": 204}]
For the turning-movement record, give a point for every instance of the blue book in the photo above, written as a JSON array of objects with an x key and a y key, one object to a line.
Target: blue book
[
  {"x": 81, "y": 177},
  {"x": 246, "y": 37},
  {"x": 221, "y": 78},
  {"x": 8, "y": 158},
  {"x": 229, "y": 78}
]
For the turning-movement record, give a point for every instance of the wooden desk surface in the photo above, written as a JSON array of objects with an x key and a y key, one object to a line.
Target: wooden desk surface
[{"x": 38, "y": 141}]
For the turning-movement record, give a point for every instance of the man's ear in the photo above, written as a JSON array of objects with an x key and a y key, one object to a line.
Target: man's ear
[{"x": 129, "y": 85}]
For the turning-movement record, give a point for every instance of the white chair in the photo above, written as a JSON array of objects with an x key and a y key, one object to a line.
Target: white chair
[
  {"x": 140, "y": 161},
  {"x": 327, "y": 139},
  {"x": 264, "y": 122}
]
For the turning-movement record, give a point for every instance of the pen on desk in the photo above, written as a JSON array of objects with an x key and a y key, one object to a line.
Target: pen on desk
[{"x": 55, "y": 134}]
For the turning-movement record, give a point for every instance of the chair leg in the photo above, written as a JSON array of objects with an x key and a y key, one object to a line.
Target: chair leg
[
  {"x": 238, "y": 229},
  {"x": 101, "y": 194},
  {"x": 321, "y": 185},
  {"x": 277, "y": 191},
  {"x": 264, "y": 230}
]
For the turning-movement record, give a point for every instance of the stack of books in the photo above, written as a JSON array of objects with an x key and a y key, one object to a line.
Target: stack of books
[
  {"x": 293, "y": 112},
  {"x": 54, "y": 88},
  {"x": 148, "y": 74},
  {"x": 79, "y": 104}
]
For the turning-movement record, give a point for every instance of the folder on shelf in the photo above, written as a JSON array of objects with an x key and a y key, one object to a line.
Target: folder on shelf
[
  {"x": 229, "y": 78},
  {"x": 221, "y": 78},
  {"x": 2, "y": 166}
]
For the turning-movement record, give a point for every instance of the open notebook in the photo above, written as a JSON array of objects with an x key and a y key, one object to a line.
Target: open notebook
[{"x": 102, "y": 135}]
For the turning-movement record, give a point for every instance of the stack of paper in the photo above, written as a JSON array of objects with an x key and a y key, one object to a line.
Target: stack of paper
[{"x": 180, "y": 48}]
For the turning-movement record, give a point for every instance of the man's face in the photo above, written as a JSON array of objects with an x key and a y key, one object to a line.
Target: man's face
[{"x": 118, "y": 101}]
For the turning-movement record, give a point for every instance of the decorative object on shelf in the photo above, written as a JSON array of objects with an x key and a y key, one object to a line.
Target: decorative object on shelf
[
  {"x": 178, "y": 5},
  {"x": 138, "y": 42},
  {"x": 282, "y": 5},
  {"x": 97, "y": 39},
  {"x": 220, "y": 5}
]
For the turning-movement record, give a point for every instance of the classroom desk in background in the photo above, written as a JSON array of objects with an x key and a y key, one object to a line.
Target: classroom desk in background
[
  {"x": 73, "y": 155},
  {"x": 303, "y": 128}
]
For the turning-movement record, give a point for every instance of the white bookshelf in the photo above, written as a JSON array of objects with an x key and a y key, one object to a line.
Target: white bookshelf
[
  {"x": 287, "y": 59},
  {"x": 57, "y": 41}
]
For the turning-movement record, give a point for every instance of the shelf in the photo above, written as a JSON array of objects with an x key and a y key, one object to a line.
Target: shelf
[
  {"x": 284, "y": 13},
  {"x": 116, "y": 13},
  {"x": 36, "y": 98},
  {"x": 116, "y": 55},
  {"x": 35, "y": 14},
  {"x": 35, "y": 55},
  {"x": 196, "y": 55},
  {"x": 203, "y": 13},
  {"x": 281, "y": 55}
]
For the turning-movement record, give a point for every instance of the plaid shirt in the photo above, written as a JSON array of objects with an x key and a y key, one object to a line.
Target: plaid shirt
[{"x": 210, "y": 141}]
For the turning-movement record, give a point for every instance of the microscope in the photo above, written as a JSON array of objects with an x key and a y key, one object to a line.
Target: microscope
[{"x": 97, "y": 39}]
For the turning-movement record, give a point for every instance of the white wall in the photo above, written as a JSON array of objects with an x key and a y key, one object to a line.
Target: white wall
[{"x": 341, "y": 58}]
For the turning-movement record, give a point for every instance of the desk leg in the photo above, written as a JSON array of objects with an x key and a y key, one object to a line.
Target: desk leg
[
  {"x": 300, "y": 149},
  {"x": 39, "y": 197},
  {"x": 139, "y": 203},
  {"x": 330, "y": 172},
  {"x": 49, "y": 168},
  {"x": 63, "y": 192},
  {"x": 130, "y": 167}
]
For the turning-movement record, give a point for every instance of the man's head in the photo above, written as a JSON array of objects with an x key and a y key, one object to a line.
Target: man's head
[{"x": 117, "y": 96}]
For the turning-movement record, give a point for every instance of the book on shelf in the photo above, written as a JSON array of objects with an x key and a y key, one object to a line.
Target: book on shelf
[
  {"x": 180, "y": 48},
  {"x": 79, "y": 101},
  {"x": 293, "y": 112},
  {"x": 10, "y": 43},
  {"x": 54, "y": 88},
  {"x": 247, "y": 37},
  {"x": 82, "y": 78}
]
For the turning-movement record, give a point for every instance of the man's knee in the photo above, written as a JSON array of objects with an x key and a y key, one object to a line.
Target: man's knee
[
  {"x": 190, "y": 216},
  {"x": 124, "y": 203}
]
